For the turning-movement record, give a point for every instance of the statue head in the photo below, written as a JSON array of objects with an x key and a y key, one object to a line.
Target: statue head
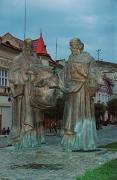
[
  {"x": 76, "y": 46},
  {"x": 27, "y": 47}
]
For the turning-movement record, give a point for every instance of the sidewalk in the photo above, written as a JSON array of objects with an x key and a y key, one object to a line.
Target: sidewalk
[
  {"x": 3, "y": 141},
  {"x": 107, "y": 134},
  {"x": 50, "y": 162}
]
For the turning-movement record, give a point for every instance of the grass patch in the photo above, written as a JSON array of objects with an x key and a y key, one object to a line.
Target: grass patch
[
  {"x": 111, "y": 146},
  {"x": 108, "y": 171}
]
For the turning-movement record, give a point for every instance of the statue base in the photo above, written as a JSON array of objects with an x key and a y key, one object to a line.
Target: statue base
[
  {"x": 84, "y": 137},
  {"x": 28, "y": 139}
]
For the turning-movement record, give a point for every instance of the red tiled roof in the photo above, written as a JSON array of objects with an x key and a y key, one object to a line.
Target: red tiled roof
[{"x": 41, "y": 48}]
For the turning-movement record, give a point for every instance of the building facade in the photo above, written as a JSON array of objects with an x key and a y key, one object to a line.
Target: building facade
[
  {"x": 108, "y": 87},
  {"x": 8, "y": 50}
]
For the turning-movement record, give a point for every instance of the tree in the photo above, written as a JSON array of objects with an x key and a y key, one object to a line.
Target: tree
[
  {"x": 112, "y": 107},
  {"x": 100, "y": 109},
  {"x": 57, "y": 111}
]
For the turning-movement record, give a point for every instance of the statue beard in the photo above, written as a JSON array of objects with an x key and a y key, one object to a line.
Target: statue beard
[{"x": 76, "y": 52}]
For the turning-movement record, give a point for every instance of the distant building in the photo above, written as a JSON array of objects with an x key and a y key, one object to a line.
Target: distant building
[
  {"x": 108, "y": 88},
  {"x": 9, "y": 48}
]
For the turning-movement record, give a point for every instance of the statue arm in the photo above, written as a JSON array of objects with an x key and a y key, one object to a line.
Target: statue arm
[{"x": 61, "y": 79}]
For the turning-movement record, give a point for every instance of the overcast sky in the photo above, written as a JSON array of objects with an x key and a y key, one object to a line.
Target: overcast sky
[{"x": 93, "y": 21}]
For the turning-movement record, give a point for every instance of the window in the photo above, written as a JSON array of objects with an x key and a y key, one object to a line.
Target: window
[{"x": 3, "y": 77}]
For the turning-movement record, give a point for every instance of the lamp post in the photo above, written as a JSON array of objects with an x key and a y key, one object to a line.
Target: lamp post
[
  {"x": 98, "y": 53},
  {"x": 25, "y": 19}
]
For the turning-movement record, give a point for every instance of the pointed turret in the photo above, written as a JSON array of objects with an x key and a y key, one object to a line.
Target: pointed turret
[{"x": 41, "y": 48}]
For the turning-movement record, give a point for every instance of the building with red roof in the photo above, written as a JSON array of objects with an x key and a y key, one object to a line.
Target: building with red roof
[{"x": 40, "y": 48}]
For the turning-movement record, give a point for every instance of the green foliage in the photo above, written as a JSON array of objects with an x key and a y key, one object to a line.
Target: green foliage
[
  {"x": 100, "y": 109},
  {"x": 107, "y": 171},
  {"x": 52, "y": 113},
  {"x": 112, "y": 106},
  {"x": 111, "y": 146},
  {"x": 57, "y": 112}
]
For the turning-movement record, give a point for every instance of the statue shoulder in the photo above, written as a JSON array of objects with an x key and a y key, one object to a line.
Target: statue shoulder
[
  {"x": 87, "y": 58},
  {"x": 88, "y": 55}
]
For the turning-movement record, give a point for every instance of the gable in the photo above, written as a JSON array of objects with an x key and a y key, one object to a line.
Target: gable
[{"x": 9, "y": 39}]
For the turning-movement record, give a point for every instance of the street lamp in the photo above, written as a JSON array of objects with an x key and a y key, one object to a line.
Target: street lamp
[{"x": 98, "y": 53}]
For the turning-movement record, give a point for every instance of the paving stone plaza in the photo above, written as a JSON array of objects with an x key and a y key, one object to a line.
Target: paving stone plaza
[{"x": 50, "y": 162}]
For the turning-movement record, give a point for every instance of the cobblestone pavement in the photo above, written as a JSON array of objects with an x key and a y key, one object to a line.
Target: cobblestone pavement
[{"x": 50, "y": 162}]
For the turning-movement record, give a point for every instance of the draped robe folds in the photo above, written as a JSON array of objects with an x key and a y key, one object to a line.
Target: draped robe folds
[
  {"x": 79, "y": 84},
  {"x": 33, "y": 88},
  {"x": 23, "y": 133}
]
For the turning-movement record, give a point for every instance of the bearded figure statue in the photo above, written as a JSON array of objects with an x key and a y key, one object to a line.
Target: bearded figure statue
[{"x": 79, "y": 82}]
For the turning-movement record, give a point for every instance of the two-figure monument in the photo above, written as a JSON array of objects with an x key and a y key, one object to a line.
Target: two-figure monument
[{"x": 33, "y": 88}]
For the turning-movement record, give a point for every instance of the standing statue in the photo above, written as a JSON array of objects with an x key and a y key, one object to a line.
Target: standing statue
[
  {"x": 79, "y": 84},
  {"x": 22, "y": 73},
  {"x": 33, "y": 90}
]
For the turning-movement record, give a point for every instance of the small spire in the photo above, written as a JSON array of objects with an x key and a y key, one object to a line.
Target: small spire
[
  {"x": 41, "y": 48},
  {"x": 40, "y": 32}
]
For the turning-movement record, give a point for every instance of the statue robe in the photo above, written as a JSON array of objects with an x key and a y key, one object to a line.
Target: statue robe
[
  {"x": 79, "y": 84},
  {"x": 33, "y": 87},
  {"x": 23, "y": 133}
]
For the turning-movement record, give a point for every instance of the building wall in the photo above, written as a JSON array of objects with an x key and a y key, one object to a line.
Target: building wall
[
  {"x": 6, "y": 117},
  {"x": 6, "y": 57},
  {"x": 5, "y": 112},
  {"x": 110, "y": 71}
]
